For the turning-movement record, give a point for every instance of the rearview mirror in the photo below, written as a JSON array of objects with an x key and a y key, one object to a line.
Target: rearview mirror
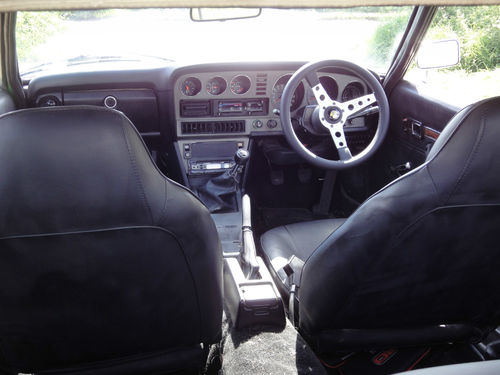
[
  {"x": 223, "y": 14},
  {"x": 439, "y": 54}
]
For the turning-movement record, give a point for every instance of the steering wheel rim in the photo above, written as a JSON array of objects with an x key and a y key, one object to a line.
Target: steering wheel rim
[{"x": 334, "y": 114}]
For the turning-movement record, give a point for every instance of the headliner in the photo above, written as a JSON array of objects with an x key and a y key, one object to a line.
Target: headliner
[{"x": 14, "y": 5}]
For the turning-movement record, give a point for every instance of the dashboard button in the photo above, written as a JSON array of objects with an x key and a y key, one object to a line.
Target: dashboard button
[
  {"x": 271, "y": 124},
  {"x": 110, "y": 102}
]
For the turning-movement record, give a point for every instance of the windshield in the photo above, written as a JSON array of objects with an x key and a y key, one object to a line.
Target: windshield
[{"x": 101, "y": 39}]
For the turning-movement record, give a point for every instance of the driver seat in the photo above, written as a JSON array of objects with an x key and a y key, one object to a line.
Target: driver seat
[{"x": 416, "y": 263}]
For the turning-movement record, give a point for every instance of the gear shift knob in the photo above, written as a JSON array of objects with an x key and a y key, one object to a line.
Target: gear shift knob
[
  {"x": 241, "y": 156},
  {"x": 240, "y": 159}
]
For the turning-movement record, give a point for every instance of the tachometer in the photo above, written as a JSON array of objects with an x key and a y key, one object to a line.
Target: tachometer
[
  {"x": 191, "y": 86},
  {"x": 278, "y": 89},
  {"x": 216, "y": 86},
  {"x": 240, "y": 85}
]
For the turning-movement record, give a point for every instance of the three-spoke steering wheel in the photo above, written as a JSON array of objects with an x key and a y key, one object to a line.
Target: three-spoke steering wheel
[{"x": 333, "y": 114}]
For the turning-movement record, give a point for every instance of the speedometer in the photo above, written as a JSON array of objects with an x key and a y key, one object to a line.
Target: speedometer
[{"x": 278, "y": 89}]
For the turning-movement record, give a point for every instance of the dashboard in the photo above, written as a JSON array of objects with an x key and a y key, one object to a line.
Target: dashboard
[
  {"x": 206, "y": 107},
  {"x": 246, "y": 101}
]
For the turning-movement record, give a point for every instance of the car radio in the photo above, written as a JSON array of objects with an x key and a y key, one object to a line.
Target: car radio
[
  {"x": 247, "y": 107},
  {"x": 210, "y": 157},
  {"x": 219, "y": 108},
  {"x": 209, "y": 166}
]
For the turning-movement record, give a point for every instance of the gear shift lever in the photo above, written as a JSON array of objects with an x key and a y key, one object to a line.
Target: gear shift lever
[
  {"x": 219, "y": 193},
  {"x": 240, "y": 159},
  {"x": 248, "y": 254}
]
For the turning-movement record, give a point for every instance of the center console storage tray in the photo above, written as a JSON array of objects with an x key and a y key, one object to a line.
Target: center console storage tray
[{"x": 254, "y": 302}]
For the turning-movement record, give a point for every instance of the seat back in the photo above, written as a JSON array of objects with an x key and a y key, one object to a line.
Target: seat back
[
  {"x": 101, "y": 256},
  {"x": 422, "y": 252}
]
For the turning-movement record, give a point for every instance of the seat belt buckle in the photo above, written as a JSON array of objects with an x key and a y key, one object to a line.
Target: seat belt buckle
[{"x": 291, "y": 269}]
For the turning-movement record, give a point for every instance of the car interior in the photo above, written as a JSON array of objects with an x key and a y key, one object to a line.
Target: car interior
[{"x": 246, "y": 217}]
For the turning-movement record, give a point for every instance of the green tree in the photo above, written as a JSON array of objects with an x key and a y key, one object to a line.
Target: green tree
[
  {"x": 382, "y": 45},
  {"x": 477, "y": 29},
  {"x": 32, "y": 29}
]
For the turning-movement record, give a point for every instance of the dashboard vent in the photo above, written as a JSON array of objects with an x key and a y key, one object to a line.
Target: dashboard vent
[
  {"x": 213, "y": 127},
  {"x": 195, "y": 108},
  {"x": 261, "y": 84}
]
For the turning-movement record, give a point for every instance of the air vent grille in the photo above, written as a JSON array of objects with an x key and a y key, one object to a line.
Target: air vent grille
[
  {"x": 261, "y": 84},
  {"x": 213, "y": 127}
]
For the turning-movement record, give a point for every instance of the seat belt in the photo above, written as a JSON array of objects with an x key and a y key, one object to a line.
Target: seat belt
[
  {"x": 326, "y": 197},
  {"x": 293, "y": 270}
]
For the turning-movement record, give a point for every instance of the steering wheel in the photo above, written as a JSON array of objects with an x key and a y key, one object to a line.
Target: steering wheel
[{"x": 332, "y": 115}]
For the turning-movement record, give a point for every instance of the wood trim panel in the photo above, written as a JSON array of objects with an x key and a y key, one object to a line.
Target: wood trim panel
[{"x": 431, "y": 133}]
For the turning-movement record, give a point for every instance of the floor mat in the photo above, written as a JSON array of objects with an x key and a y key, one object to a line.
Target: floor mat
[
  {"x": 378, "y": 362},
  {"x": 271, "y": 351},
  {"x": 400, "y": 360}
]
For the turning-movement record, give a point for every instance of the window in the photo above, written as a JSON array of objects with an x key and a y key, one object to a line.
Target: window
[
  {"x": 477, "y": 76},
  {"x": 88, "y": 40}
]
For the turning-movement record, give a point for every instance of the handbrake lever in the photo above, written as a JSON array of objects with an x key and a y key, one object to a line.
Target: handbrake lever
[{"x": 248, "y": 254}]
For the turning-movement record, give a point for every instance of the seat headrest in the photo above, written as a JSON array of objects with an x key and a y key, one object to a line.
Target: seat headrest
[
  {"x": 71, "y": 169},
  {"x": 464, "y": 163}
]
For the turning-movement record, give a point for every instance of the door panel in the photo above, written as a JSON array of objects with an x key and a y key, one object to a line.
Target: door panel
[{"x": 416, "y": 121}]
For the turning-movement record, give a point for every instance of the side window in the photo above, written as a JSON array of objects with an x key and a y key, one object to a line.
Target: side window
[{"x": 477, "y": 75}]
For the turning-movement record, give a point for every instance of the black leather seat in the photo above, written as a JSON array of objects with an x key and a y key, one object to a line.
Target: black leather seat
[
  {"x": 106, "y": 265},
  {"x": 419, "y": 261}
]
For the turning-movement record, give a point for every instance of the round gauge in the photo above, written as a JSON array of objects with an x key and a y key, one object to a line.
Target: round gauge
[
  {"x": 191, "y": 86},
  {"x": 216, "y": 86},
  {"x": 352, "y": 91},
  {"x": 240, "y": 85},
  {"x": 278, "y": 89}
]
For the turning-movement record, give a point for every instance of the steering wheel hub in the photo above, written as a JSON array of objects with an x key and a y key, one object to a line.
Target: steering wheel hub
[{"x": 333, "y": 114}]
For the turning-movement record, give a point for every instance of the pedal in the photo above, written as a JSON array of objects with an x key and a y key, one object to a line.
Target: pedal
[
  {"x": 304, "y": 175},
  {"x": 277, "y": 177}
]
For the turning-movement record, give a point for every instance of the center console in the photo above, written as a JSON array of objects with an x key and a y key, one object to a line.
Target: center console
[
  {"x": 249, "y": 290},
  {"x": 251, "y": 296},
  {"x": 217, "y": 112}
]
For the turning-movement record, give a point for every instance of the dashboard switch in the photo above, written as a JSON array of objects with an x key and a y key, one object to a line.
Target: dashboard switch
[{"x": 257, "y": 124}]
